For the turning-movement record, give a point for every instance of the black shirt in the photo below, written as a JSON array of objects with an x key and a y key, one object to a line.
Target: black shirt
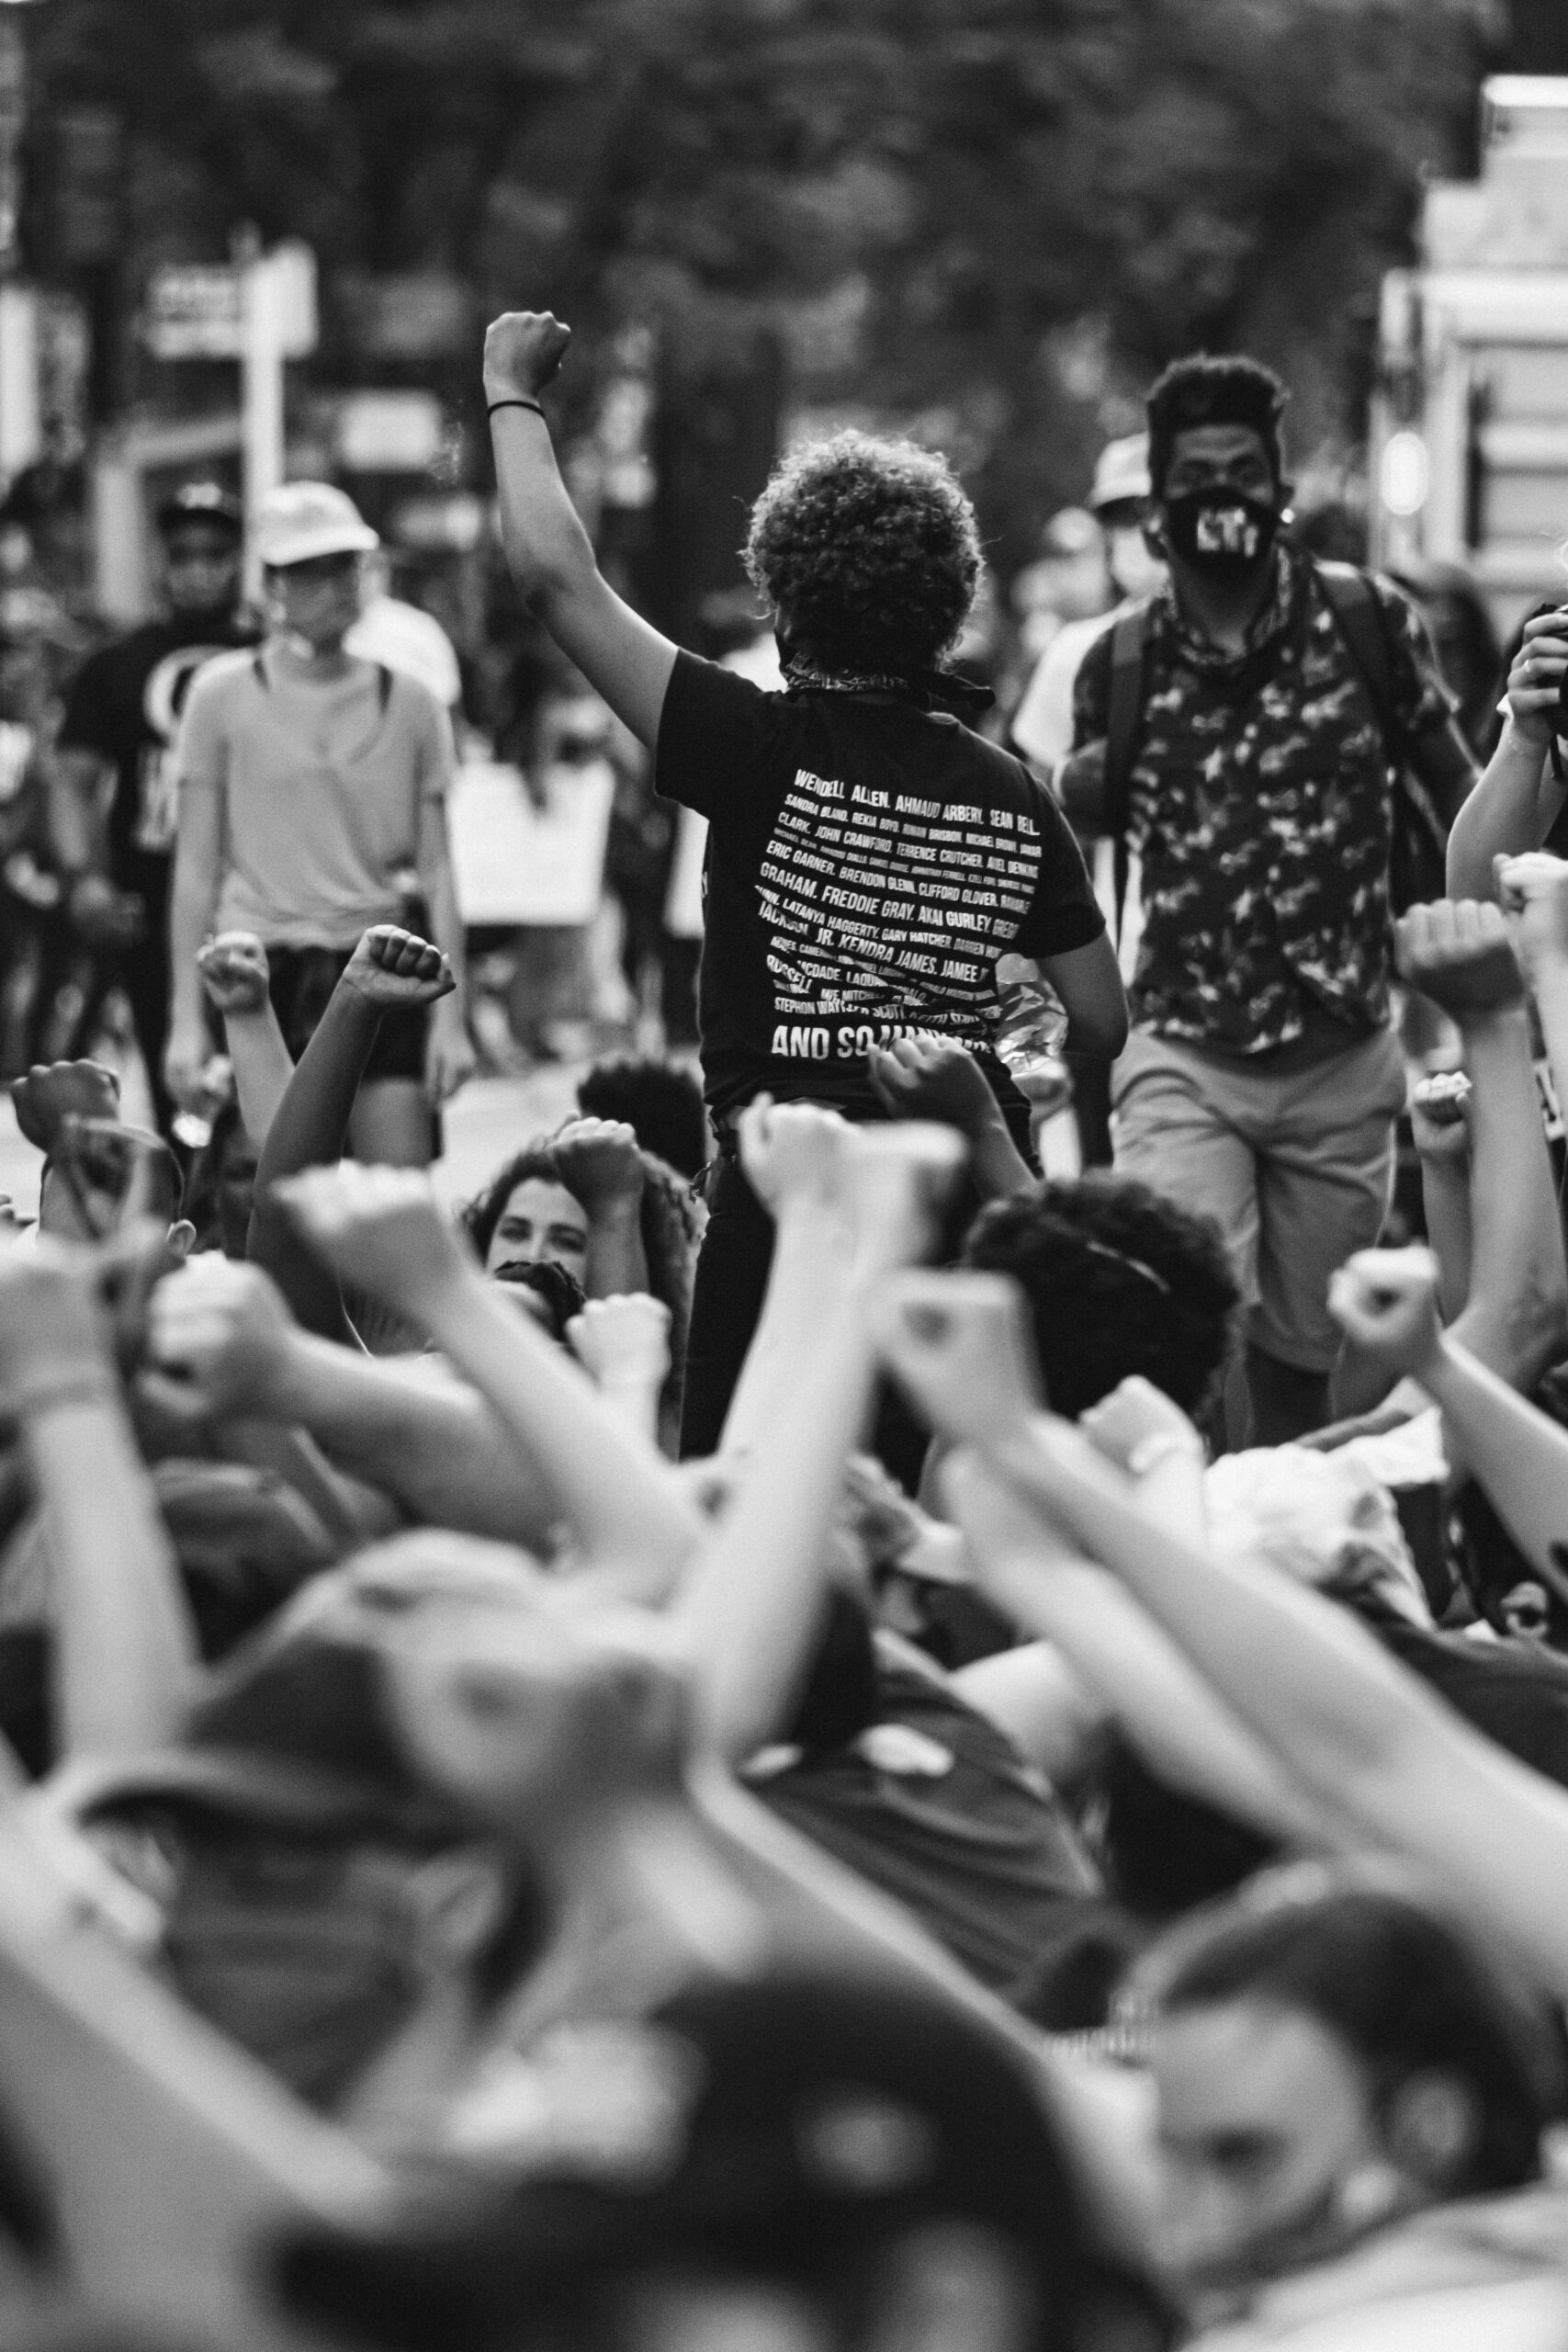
[
  {"x": 867, "y": 864},
  {"x": 125, "y": 704}
]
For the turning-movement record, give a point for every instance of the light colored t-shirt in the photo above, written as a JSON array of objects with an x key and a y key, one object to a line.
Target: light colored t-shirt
[
  {"x": 406, "y": 639},
  {"x": 1042, "y": 723},
  {"x": 320, "y": 789}
]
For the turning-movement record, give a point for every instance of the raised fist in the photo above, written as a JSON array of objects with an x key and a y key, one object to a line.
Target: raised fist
[
  {"x": 234, "y": 972},
  {"x": 52, "y": 1092},
  {"x": 621, "y": 1338},
  {"x": 1459, "y": 953},
  {"x": 379, "y": 1228},
  {"x": 217, "y": 1340},
  {"x": 932, "y": 1078},
  {"x": 600, "y": 1163},
  {"x": 960, "y": 1346},
  {"x": 796, "y": 1155},
  {"x": 394, "y": 969},
  {"x": 1533, "y": 891},
  {"x": 1386, "y": 1301},
  {"x": 1440, "y": 1115},
  {"x": 524, "y": 350}
]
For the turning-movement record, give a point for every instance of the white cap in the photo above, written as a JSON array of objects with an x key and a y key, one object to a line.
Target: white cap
[
  {"x": 305, "y": 519},
  {"x": 1122, "y": 472}
]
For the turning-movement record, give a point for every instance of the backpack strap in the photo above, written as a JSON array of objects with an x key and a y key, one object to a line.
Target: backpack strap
[
  {"x": 1357, "y": 615},
  {"x": 1123, "y": 728}
]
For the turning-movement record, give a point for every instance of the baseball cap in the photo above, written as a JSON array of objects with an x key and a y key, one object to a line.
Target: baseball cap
[
  {"x": 199, "y": 502},
  {"x": 785, "y": 2126},
  {"x": 1121, "y": 474},
  {"x": 305, "y": 519}
]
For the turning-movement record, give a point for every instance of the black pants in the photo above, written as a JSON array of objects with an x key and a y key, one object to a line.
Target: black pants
[{"x": 727, "y": 1302}]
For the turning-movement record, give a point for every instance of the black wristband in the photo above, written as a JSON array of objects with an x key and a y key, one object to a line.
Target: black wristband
[{"x": 515, "y": 402}]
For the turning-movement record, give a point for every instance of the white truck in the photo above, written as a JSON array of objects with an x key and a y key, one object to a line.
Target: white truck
[{"x": 1469, "y": 441}]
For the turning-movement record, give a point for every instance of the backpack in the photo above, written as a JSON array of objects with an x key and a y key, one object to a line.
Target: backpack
[{"x": 1416, "y": 853}]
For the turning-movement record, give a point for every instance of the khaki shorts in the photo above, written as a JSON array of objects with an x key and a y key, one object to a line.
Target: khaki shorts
[{"x": 1295, "y": 1171}]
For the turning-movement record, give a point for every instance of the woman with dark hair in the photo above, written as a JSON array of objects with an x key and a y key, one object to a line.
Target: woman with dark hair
[
  {"x": 610, "y": 1214},
  {"x": 870, "y": 859},
  {"x": 1336, "y": 2062}
]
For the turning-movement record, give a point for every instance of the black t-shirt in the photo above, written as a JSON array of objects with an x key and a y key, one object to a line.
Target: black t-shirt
[
  {"x": 934, "y": 1804},
  {"x": 867, "y": 864},
  {"x": 125, "y": 704}
]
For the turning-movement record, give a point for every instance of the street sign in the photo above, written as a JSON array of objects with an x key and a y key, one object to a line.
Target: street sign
[{"x": 195, "y": 311}]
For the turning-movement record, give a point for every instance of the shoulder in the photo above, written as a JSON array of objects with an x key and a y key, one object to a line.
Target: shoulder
[{"x": 219, "y": 685}]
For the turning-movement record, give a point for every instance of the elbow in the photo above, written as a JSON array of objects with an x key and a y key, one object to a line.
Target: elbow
[{"x": 1101, "y": 1034}]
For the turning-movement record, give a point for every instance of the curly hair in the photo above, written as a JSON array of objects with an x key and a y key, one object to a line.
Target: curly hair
[
  {"x": 1203, "y": 390},
  {"x": 868, "y": 551},
  {"x": 1118, "y": 1281},
  {"x": 668, "y": 1222}
]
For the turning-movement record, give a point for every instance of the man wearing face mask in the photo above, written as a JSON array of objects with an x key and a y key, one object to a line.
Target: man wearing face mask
[
  {"x": 313, "y": 801},
  {"x": 117, "y": 739},
  {"x": 1261, "y": 710}
]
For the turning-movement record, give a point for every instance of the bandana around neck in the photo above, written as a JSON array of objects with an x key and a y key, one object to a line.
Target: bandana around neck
[{"x": 932, "y": 689}]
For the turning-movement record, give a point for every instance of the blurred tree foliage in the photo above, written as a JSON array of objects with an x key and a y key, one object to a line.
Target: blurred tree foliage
[{"x": 995, "y": 214}]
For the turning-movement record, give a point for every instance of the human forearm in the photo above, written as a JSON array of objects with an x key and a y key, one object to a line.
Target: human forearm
[
  {"x": 812, "y": 1261},
  {"x": 996, "y": 1164},
  {"x": 1516, "y": 1451},
  {"x": 623, "y": 1502},
  {"x": 617, "y": 1263},
  {"x": 263, "y": 1067},
  {"x": 1509, "y": 812},
  {"x": 427, "y": 1441},
  {"x": 1445, "y": 1195},
  {"x": 308, "y": 1129},
  {"x": 124, "y": 1646},
  {"x": 548, "y": 551},
  {"x": 72, "y": 781},
  {"x": 192, "y": 899},
  {"x": 1515, "y": 1317}
]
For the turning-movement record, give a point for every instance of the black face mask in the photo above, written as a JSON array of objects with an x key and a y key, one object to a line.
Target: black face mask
[{"x": 1224, "y": 533}]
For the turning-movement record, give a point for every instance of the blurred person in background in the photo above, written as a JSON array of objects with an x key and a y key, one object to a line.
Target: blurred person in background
[
  {"x": 404, "y": 636},
  {"x": 312, "y": 804},
  {"x": 113, "y": 797},
  {"x": 1041, "y": 725},
  {"x": 1068, "y": 581},
  {"x": 1470, "y": 654}
]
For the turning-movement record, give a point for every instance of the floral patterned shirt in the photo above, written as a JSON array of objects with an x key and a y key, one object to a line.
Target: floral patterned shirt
[{"x": 1260, "y": 808}]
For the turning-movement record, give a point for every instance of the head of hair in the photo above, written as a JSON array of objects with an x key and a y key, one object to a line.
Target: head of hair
[
  {"x": 1118, "y": 1281},
  {"x": 868, "y": 551},
  {"x": 668, "y": 1223},
  {"x": 1403, "y": 1989},
  {"x": 661, "y": 1102},
  {"x": 1203, "y": 390}
]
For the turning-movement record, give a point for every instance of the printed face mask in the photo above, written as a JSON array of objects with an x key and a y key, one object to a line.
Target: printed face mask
[{"x": 1222, "y": 532}]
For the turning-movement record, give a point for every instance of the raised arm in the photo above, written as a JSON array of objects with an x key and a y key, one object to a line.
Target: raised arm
[
  {"x": 850, "y": 1205},
  {"x": 197, "y": 862},
  {"x": 1516, "y": 1314},
  {"x": 599, "y": 1163},
  {"x": 382, "y": 1231},
  {"x": 1361, "y": 1736},
  {"x": 1513, "y": 806},
  {"x": 1439, "y": 1121},
  {"x": 124, "y": 1646},
  {"x": 548, "y": 550},
  {"x": 221, "y": 1346},
  {"x": 449, "y": 1056},
  {"x": 310, "y": 1126},
  {"x": 233, "y": 970}
]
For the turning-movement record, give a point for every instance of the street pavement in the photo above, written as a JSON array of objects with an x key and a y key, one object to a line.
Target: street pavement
[{"x": 489, "y": 1119}]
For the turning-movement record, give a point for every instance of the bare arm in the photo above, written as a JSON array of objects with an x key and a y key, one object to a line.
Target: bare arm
[
  {"x": 383, "y": 1231},
  {"x": 1513, "y": 806},
  {"x": 1359, "y": 1734},
  {"x": 124, "y": 1646},
  {"x": 600, "y": 1164},
  {"x": 75, "y": 780},
  {"x": 752, "y": 1605},
  {"x": 1088, "y": 981},
  {"x": 310, "y": 1126},
  {"x": 450, "y": 1059},
  {"x": 197, "y": 858},
  {"x": 1515, "y": 1315},
  {"x": 926, "y": 1077},
  {"x": 548, "y": 550},
  {"x": 234, "y": 973}
]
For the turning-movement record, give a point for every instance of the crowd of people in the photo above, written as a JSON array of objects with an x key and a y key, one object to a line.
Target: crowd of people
[{"x": 788, "y": 1733}]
